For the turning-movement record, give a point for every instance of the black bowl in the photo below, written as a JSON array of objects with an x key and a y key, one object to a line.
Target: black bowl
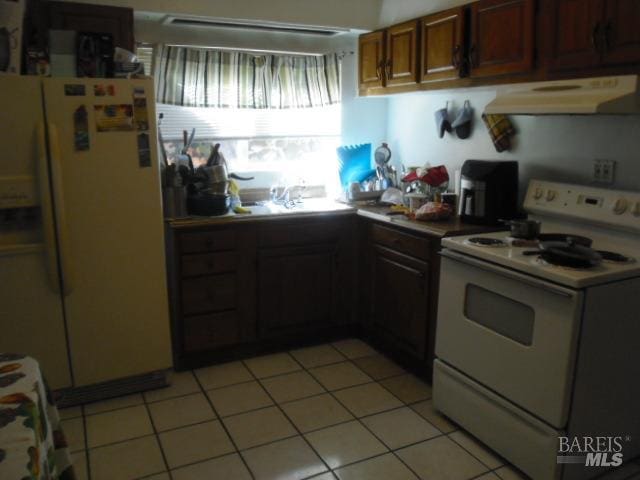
[{"x": 208, "y": 204}]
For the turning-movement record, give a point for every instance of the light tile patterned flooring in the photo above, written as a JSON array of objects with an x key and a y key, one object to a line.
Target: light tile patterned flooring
[{"x": 335, "y": 411}]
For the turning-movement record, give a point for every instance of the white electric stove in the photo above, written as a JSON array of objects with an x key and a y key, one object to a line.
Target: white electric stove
[
  {"x": 610, "y": 218},
  {"x": 529, "y": 352}
]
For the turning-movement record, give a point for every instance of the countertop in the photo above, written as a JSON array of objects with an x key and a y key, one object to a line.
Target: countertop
[
  {"x": 317, "y": 207},
  {"x": 442, "y": 228},
  {"x": 311, "y": 208}
]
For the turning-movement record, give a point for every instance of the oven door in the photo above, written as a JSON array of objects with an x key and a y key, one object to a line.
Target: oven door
[{"x": 511, "y": 332}]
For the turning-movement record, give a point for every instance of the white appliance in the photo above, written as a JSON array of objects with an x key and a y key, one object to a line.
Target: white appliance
[
  {"x": 82, "y": 264},
  {"x": 602, "y": 95},
  {"x": 528, "y": 352}
]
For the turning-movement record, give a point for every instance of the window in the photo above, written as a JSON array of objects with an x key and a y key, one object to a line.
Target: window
[
  {"x": 275, "y": 146},
  {"x": 277, "y": 118}
]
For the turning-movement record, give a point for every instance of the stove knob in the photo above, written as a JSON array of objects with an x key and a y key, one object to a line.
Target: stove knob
[
  {"x": 636, "y": 210},
  {"x": 620, "y": 206},
  {"x": 537, "y": 194},
  {"x": 551, "y": 195}
]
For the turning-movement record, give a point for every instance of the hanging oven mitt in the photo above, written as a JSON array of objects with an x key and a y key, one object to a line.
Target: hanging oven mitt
[
  {"x": 500, "y": 129},
  {"x": 462, "y": 123},
  {"x": 442, "y": 121}
]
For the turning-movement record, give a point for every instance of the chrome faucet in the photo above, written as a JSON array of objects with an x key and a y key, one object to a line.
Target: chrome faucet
[{"x": 285, "y": 198}]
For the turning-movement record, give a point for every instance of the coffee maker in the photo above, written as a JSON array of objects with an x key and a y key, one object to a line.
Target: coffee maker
[{"x": 488, "y": 191}]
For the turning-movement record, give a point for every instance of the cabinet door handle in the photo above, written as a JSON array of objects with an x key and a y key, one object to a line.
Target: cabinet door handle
[
  {"x": 606, "y": 37},
  {"x": 388, "y": 69},
  {"x": 455, "y": 57},
  {"x": 472, "y": 56},
  {"x": 594, "y": 37},
  {"x": 379, "y": 68}
]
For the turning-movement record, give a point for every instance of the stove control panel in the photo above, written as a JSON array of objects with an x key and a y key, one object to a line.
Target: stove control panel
[{"x": 615, "y": 208}]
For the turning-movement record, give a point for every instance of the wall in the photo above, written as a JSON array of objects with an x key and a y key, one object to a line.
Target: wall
[
  {"x": 364, "y": 120},
  {"x": 559, "y": 148},
  {"x": 352, "y": 14},
  {"x": 395, "y": 11},
  {"x": 149, "y": 29}
]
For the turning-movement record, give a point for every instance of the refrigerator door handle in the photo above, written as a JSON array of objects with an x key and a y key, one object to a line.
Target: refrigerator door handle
[
  {"x": 48, "y": 229},
  {"x": 64, "y": 250}
]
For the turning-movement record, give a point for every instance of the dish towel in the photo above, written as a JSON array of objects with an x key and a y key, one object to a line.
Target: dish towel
[{"x": 500, "y": 129}]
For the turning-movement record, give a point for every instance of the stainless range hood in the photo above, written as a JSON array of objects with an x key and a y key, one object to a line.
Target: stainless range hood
[{"x": 605, "y": 95}]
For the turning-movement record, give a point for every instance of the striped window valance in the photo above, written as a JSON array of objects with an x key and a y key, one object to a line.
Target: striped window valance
[{"x": 200, "y": 77}]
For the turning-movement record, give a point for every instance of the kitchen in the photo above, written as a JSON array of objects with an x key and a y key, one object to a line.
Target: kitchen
[{"x": 321, "y": 323}]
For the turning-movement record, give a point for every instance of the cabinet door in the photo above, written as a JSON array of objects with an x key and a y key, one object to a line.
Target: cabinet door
[
  {"x": 400, "y": 299},
  {"x": 371, "y": 60},
  {"x": 621, "y": 32},
  {"x": 296, "y": 289},
  {"x": 442, "y": 45},
  {"x": 402, "y": 55},
  {"x": 502, "y": 37},
  {"x": 575, "y": 26}
]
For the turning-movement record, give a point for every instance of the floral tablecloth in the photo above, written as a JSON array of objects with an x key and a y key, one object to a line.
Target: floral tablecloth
[{"x": 32, "y": 445}]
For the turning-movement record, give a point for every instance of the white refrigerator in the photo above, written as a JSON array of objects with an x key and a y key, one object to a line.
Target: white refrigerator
[{"x": 82, "y": 265}]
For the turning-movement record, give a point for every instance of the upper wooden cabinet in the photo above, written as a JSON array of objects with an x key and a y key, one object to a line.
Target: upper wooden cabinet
[
  {"x": 401, "y": 64},
  {"x": 573, "y": 36},
  {"x": 593, "y": 33},
  {"x": 371, "y": 60},
  {"x": 502, "y": 39},
  {"x": 443, "y": 47},
  {"x": 621, "y": 32},
  {"x": 490, "y": 42}
]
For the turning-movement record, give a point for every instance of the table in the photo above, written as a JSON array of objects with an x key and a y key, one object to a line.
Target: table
[{"x": 32, "y": 444}]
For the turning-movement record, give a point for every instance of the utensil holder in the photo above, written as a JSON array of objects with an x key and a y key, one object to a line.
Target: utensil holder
[{"x": 174, "y": 200}]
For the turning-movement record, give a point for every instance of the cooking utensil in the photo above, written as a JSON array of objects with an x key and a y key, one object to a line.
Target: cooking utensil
[
  {"x": 208, "y": 204},
  {"x": 564, "y": 237},
  {"x": 382, "y": 155},
  {"x": 214, "y": 156},
  {"x": 568, "y": 254},
  {"x": 527, "y": 229}
]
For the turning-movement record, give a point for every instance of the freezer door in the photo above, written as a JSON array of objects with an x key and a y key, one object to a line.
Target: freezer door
[
  {"x": 112, "y": 249},
  {"x": 31, "y": 314}
]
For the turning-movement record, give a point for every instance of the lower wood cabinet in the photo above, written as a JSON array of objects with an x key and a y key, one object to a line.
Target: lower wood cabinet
[
  {"x": 297, "y": 289},
  {"x": 243, "y": 287},
  {"x": 400, "y": 299},
  {"x": 398, "y": 288}
]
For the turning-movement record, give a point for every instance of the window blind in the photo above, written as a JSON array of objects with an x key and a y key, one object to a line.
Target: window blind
[{"x": 211, "y": 123}]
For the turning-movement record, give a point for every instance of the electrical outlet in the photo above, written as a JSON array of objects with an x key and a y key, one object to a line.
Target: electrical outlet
[{"x": 604, "y": 171}]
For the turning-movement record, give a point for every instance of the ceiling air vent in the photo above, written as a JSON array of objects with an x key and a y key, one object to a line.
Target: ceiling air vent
[{"x": 245, "y": 25}]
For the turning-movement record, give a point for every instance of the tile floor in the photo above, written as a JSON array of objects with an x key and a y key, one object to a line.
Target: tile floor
[{"x": 335, "y": 411}]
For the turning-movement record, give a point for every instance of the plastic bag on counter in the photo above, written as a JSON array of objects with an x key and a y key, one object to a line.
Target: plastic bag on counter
[{"x": 432, "y": 211}]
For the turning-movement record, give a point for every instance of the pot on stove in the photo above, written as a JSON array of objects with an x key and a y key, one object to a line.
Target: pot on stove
[
  {"x": 525, "y": 229},
  {"x": 567, "y": 254}
]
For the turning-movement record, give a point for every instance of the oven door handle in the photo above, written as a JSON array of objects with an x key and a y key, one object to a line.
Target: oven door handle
[{"x": 489, "y": 267}]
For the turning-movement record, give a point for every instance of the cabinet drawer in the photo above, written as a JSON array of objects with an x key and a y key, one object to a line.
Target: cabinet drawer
[
  {"x": 208, "y": 294},
  {"x": 209, "y": 263},
  {"x": 300, "y": 233},
  {"x": 403, "y": 242},
  {"x": 211, "y": 241},
  {"x": 207, "y": 332}
]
